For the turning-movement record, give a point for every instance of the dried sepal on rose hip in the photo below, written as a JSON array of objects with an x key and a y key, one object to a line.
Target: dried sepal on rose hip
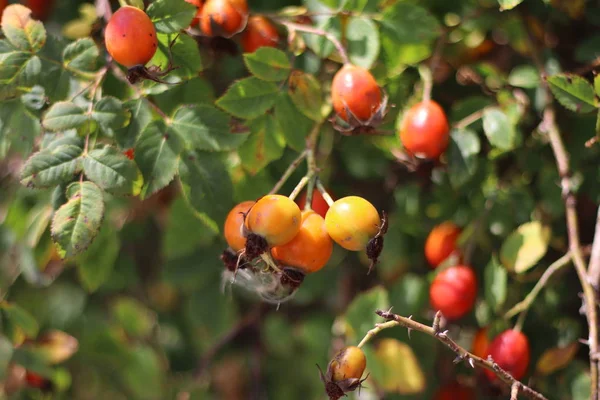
[
  {"x": 354, "y": 223},
  {"x": 130, "y": 38},
  {"x": 233, "y": 230},
  {"x": 357, "y": 101},
  {"x": 344, "y": 372},
  {"x": 273, "y": 221}
]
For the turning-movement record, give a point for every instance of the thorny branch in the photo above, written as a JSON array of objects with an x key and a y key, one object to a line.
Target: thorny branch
[
  {"x": 594, "y": 267},
  {"x": 293, "y": 27},
  {"x": 462, "y": 354},
  {"x": 549, "y": 126}
]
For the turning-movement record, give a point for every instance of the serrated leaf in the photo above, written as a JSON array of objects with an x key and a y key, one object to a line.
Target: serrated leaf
[
  {"x": 573, "y": 92},
  {"x": 35, "y": 99},
  {"x": 265, "y": 144},
  {"x": 64, "y": 115},
  {"x": 112, "y": 171},
  {"x": 171, "y": 16},
  {"x": 508, "y": 4},
  {"x": 399, "y": 369},
  {"x": 498, "y": 128},
  {"x": 294, "y": 125},
  {"x": 20, "y": 318},
  {"x": 157, "y": 155},
  {"x": 462, "y": 155},
  {"x": 206, "y": 184},
  {"x": 249, "y": 98},
  {"x": 21, "y": 30},
  {"x": 524, "y": 247},
  {"x": 135, "y": 318},
  {"x": 52, "y": 166},
  {"x": 495, "y": 278},
  {"x": 205, "y": 127},
  {"x": 360, "y": 315},
  {"x": 268, "y": 64},
  {"x": 141, "y": 116},
  {"x": 110, "y": 112},
  {"x": 76, "y": 223},
  {"x": 184, "y": 53},
  {"x": 81, "y": 56},
  {"x": 362, "y": 37},
  {"x": 305, "y": 92},
  {"x": 95, "y": 265}
]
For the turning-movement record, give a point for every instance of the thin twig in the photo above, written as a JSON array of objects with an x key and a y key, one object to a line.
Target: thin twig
[
  {"x": 471, "y": 118},
  {"x": 550, "y": 128},
  {"x": 514, "y": 391},
  {"x": 462, "y": 354},
  {"x": 594, "y": 267},
  {"x": 288, "y": 172},
  {"x": 326, "y": 196},
  {"x": 291, "y": 26},
  {"x": 93, "y": 90},
  {"x": 524, "y": 305}
]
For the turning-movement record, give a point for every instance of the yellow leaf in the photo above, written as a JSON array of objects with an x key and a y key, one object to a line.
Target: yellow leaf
[
  {"x": 556, "y": 358},
  {"x": 398, "y": 369}
]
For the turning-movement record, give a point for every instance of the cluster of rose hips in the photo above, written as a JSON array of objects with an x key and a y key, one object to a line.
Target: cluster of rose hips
[
  {"x": 131, "y": 40},
  {"x": 273, "y": 241},
  {"x": 454, "y": 291}
]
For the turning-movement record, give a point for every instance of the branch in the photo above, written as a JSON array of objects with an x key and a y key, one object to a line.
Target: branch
[
  {"x": 550, "y": 127},
  {"x": 462, "y": 354},
  {"x": 288, "y": 172},
  {"x": 594, "y": 267},
  {"x": 292, "y": 27},
  {"x": 524, "y": 305}
]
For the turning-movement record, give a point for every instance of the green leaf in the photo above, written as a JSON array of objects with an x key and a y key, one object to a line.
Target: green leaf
[
  {"x": 524, "y": 76},
  {"x": 51, "y": 167},
  {"x": 495, "y": 279},
  {"x": 508, "y": 4},
  {"x": 171, "y": 16},
  {"x": 363, "y": 45},
  {"x": 157, "y": 155},
  {"x": 81, "y": 56},
  {"x": 265, "y": 144},
  {"x": 20, "y": 318},
  {"x": 143, "y": 374},
  {"x": 499, "y": 130},
  {"x": 141, "y": 116},
  {"x": 305, "y": 92},
  {"x": 64, "y": 115},
  {"x": 112, "y": 171},
  {"x": 249, "y": 98},
  {"x": 35, "y": 99},
  {"x": 110, "y": 113},
  {"x": 6, "y": 353},
  {"x": 76, "y": 223},
  {"x": 597, "y": 85},
  {"x": 407, "y": 34},
  {"x": 409, "y": 295},
  {"x": 21, "y": 30},
  {"x": 360, "y": 315},
  {"x": 462, "y": 155},
  {"x": 524, "y": 247},
  {"x": 134, "y": 317},
  {"x": 205, "y": 127},
  {"x": 573, "y": 92},
  {"x": 185, "y": 56},
  {"x": 268, "y": 64},
  {"x": 294, "y": 125},
  {"x": 206, "y": 184},
  {"x": 96, "y": 264}
]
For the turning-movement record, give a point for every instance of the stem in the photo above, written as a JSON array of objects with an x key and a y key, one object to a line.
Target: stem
[
  {"x": 310, "y": 189},
  {"x": 288, "y": 172},
  {"x": 523, "y": 306},
  {"x": 470, "y": 119},
  {"x": 427, "y": 78},
  {"x": 373, "y": 332},
  {"x": 594, "y": 267},
  {"x": 324, "y": 193},
  {"x": 93, "y": 90},
  {"x": 291, "y": 26},
  {"x": 514, "y": 391},
  {"x": 462, "y": 354},
  {"x": 299, "y": 187}
]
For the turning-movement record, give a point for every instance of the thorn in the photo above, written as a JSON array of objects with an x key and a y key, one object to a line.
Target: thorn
[
  {"x": 409, "y": 329},
  {"x": 436, "y": 322},
  {"x": 471, "y": 362},
  {"x": 584, "y": 342}
]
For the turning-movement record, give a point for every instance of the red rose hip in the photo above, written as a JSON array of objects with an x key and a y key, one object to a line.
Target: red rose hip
[
  {"x": 453, "y": 291},
  {"x": 259, "y": 33},
  {"x": 441, "y": 243},
  {"x": 355, "y": 90},
  {"x": 510, "y": 350},
  {"x": 425, "y": 132}
]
